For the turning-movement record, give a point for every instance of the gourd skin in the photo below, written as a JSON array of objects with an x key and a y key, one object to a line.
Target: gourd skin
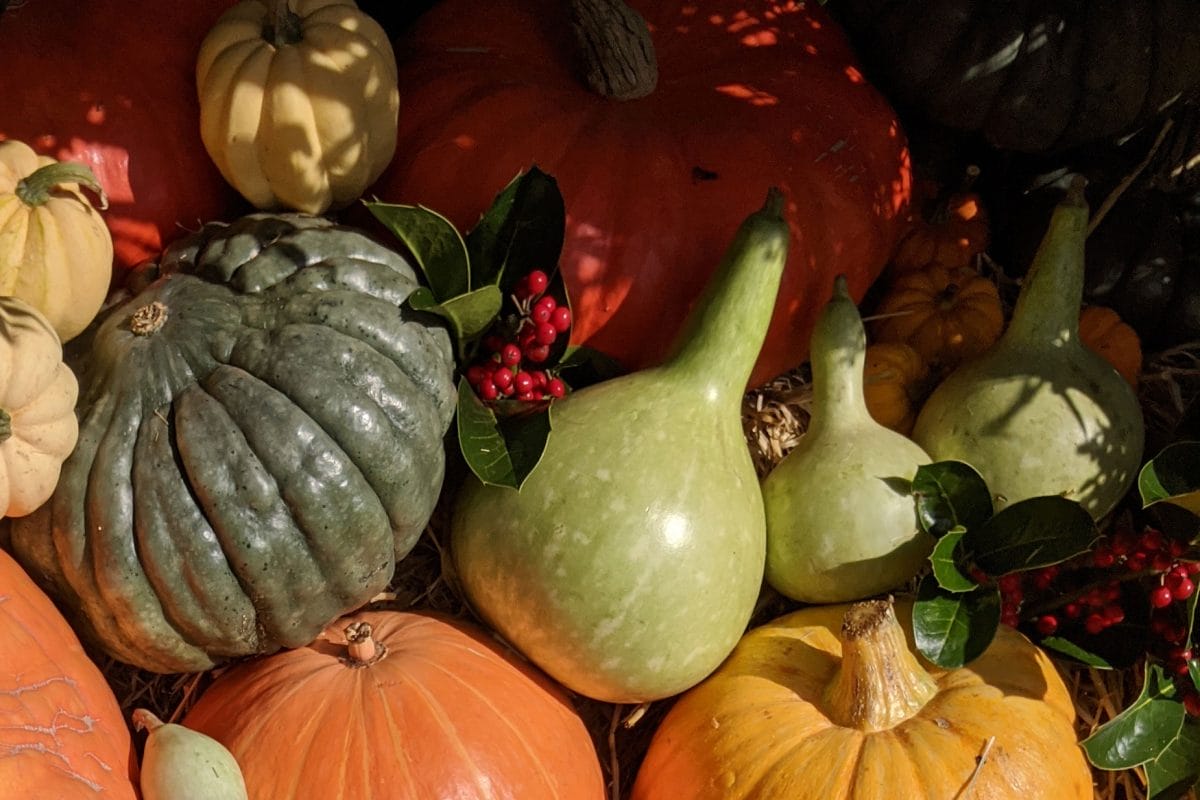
[
  {"x": 179, "y": 763},
  {"x": 257, "y": 465}
]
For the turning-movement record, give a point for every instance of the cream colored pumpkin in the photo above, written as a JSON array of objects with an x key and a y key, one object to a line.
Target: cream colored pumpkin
[
  {"x": 298, "y": 101},
  {"x": 38, "y": 428},
  {"x": 55, "y": 251}
]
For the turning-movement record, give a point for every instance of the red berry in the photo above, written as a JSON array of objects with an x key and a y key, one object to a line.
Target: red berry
[
  {"x": 556, "y": 387},
  {"x": 539, "y": 379},
  {"x": 1010, "y": 618},
  {"x": 503, "y": 379},
  {"x": 1175, "y": 547},
  {"x": 1162, "y": 561},
  {"x": 1136, "y": 562},
  {"x": 1183, "y": 590},
  {"x": 527, "y": 397},
  {"x": 526, "y": 337},
  {"x": 1180, "y": 667},
  {"x": 1179, "y": 570},
  {"x": 540, "y": 314},
  {"x": 1010, "y": 583},
  {"x": 1161, "y": 597},
  {"x": 1193, "y": 567},
  {"x": 548, "y": 302},
  {"x": 1151, "y": 539},
  {"x": 1103, "y": 557},
  {"x": 1072, "y": 610},
  {"x": 476, "y": 374},
  {"x": 546, "y": 333},
  {"x": 560, "y": 318},
  {"x": 1047, "y": 624},
  {"x": 488, "y": 390},
  {"x": 1094, "y": 624},
  {"x": 523, "y": 383},
  {"x": 1191, "y": 703},
  {"x": 537, "y": 281},
  {"x": 537, "y": 353},
  {"x": 1114, "y": 614},
  {"x": 1123, "y": 542},
  {"x": 510, "y": 356}
]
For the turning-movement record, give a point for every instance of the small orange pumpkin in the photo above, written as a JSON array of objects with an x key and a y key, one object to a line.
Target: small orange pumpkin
[
  {"x": 895, "y": 379},
  {"x": 947, "y": 315},
  {"x": 1102, "y": 331},
  {"x": 951, "y": 237}
]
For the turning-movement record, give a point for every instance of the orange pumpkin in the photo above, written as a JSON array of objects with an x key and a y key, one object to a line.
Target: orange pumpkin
[
  {"x": 1103, "y": 332},
  {"x": 399, "y": 706},
  {"x": 62, "y": 735},
  {"x": 801, "y": 713},
  {"x": 947, "y": 315},
  {"x": 895, "y": 378},
  {"x": 951, "y": 237}
]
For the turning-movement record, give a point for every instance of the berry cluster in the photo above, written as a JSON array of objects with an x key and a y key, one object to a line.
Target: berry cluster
[{"x": 523, "y": 340}]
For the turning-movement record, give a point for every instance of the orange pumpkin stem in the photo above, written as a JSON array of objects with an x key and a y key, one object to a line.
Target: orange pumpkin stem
[
  {"x": 361, "y": 647},
  {"x": 880, "y": 683},
  {"x": 614, "y": 42}
]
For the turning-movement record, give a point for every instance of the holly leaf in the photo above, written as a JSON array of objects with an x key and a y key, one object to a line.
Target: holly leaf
[
  {"x": 523, "y": 228},
  {"x": 1073, "y": 651},
  {"x": 1143, "y": 730},
  {"x": 1029, "y": 534},
  {"x": 434, "y": 242},
  {"x": 1172, "y": 476},
  {"x": 945, "y": 565},
  {"x": 952, "y": 629},
  {"x": 950, "y": 494},
  {"x": 1177, "y": 768},
  {"x": 501, "y": 452},
  {"x": 469, "y": 315}
]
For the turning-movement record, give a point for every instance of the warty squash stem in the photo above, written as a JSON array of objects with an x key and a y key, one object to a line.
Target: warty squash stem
[
  {"x": 36, "y": 188},
  {"x": 615, "y": 45},
  {"x": 5, "y": 426},
  {"x": 879, "y": 683}
]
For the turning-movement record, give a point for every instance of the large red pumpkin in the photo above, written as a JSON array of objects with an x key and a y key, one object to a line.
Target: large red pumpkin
[
  {"x": 112, "y": 83},
  {"x": 750, "y": 94},
  {"x": 62, "y": 735},
  {"x": 409, "y": 707}
]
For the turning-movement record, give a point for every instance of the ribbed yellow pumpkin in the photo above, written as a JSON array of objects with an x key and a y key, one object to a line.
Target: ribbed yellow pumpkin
[
  {"x": 799, "y": 712},
  {"x": 55, "y": 252},
  {"x": 298, "y": 101},
  {"x": 38, "y": 428}
]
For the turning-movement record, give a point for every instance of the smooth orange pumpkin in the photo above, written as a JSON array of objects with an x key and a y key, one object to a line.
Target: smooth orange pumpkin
[
  {"x": 947, "y": 315},
  {"x": 748, "y": 95},
  {"x": 62, "y": 735},
  {"x": 895, "y": 379},
  {"x": 830, "y": 701},
  {"x": 1102, "y": 331},
  {"x": 955, "y": 232},
  {"x": 399, "y": 706}
]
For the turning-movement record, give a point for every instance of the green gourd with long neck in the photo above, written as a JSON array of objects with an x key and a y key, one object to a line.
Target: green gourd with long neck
[
  {"x": 628, "y": 564},
  {"x": 841, "y": 524},
  {"x": 1039, "y": 413}
]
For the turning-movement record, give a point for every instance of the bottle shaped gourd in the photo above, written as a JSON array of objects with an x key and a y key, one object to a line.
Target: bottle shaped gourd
[
  {"x": 1039, "y": 413},
  {"x": 179, "y": 763},
  {"x": 841, "y": 523},
  {"x": 628, "y": 564}
]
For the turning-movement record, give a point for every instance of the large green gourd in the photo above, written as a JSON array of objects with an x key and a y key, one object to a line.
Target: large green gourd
[
  {"x": 841, "y": 523},
  {"x": 628, "y": 564},
  {"x": 1039, "y": 413},
  {"x": 260, "y": 442}
]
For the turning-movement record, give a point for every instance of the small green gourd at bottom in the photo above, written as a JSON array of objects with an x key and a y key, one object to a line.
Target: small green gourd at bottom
[
  {"x": 182, "y": 764},
  {"x": 841, "y": 522}
]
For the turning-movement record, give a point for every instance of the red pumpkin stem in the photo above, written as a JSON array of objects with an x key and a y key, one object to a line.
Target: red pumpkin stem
[
  {"x": 361, "y": 647},
  {"x": 880, "y": 683},
  {"x": 616, "y": 48},
  {"x": 37, "y": 188},
  {"x": 5, "y": 426},
  {"x": 145, "y": 720},
  {"x": 283, "y": 28}
]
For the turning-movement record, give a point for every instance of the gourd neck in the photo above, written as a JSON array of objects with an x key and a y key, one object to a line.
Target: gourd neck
[
  {"x": 146, "y": 720},
  {"x": 362, "y": 648},
  {"x": 283, "y": 27},
  {"x": 718, "y": 345},
  {"x": 838, "y": 356},
  {"x": 615, "y": 48},
  {"x": 879, "y": 683},
  {"x": 38, "y": 187},
  {"x": 5, "y": 426},
  {"x": 1047, "y": 309}
]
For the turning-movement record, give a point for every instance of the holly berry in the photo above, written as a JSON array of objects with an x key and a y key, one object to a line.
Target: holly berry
[
  {"x": 537, "y": 281},
  {"x": 510, "y": 355},
  {"x": 1161, "y": 597},
  {"x": 556, "y": 388},
  {"x": 523, "y": 383},
  {"x": 1191, "y": 702},
  {"x": 503, "y": 379},
  {"x": 560, "y": 318},
  {"x": 1047, "y": 624},
  {"x": 488, "y": 391},
  {"x": 1094, "y": 624}
]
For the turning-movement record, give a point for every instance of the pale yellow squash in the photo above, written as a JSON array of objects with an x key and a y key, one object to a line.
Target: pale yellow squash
[
  {"x": 38, "y": 428},
  {"x": 55, "y": 252},
  {"x": 298, "y": 101}
]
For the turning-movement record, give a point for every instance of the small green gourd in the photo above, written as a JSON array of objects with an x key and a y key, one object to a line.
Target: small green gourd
[
  {"x": 179, "y": 763},
  {"x": 1039, "y": 413},
  {"x": 841, "y": 524}
]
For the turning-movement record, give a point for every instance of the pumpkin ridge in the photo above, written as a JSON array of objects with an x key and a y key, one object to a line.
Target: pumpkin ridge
[
  {"x": 439, "y": 715},
  {"x": 393, "y": 727}
]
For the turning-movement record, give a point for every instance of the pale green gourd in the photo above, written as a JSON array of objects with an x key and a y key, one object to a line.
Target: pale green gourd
[
  {"x": 628, "y": 564},
  {"x": 841, "y": 522},
  {"x": 1039, "y": 413},
  {"x": 179, "y": 763}
]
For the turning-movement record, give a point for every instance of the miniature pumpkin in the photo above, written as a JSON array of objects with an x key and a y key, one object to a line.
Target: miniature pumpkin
[
  {"x": 260, "y": 443},
  {"x": 1103, "y": 332},
  {"x": 895, "y": 378},
  {"x": 803, "y": 712},
  {"x": 298, "y": 107},
  {"x": 62, "y": 735},
  {"x": 55, "y": 252},
  {"x": 411, "y": 706},
  {"x": 947, "y": 315},
  {"x": 748, "y": 95},
  {"x": 955, "y": 233},
  {"x": 37, "y": 408},
  {"x": 111, "y": 84}
]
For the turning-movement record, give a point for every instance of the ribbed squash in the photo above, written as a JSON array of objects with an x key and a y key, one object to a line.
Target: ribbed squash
[
  {"x": 1102, "y": 331},
  {"x": 895, "y": 378},
  {"x": 956, "y": 232},
  {"x": 260, "y": 442},
  {"x": 298, "y": 101},
  {"x": 55, "y": 252}
]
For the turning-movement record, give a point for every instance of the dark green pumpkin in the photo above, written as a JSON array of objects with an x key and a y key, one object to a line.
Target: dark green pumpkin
[
  {"x": 1031, "y": 75},
  {"x": 256, "y": 465}
]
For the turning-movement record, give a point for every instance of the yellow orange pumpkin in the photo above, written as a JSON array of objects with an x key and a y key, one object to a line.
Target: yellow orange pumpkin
[
  {"x": 1103, "y": 331},
  {"x": 956, "y": 233},
  {"x": 895, "y": 378}
]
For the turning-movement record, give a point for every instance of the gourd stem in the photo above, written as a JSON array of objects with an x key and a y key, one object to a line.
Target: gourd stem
[
  {"x": 362, "y": 649},
  {"x": 283, "y": 26},
  {"x": 36, "y": 188},
  {"x": 1047, "y": 310},
  {"x": 719, "y": 343},
  {"x": 839, "y": 348},
  {"x": 5, "y": 426},
  {"x": 615, "y": 45},
  {"x": 145, "y": 720},
  {"x": 879, "y": 683}
]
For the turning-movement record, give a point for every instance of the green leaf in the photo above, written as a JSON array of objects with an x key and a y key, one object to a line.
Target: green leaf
[
  {"x": 1177, "y": 767},
  {"x": 1173, "y": 476},
  {"x": 1029, "y": 534},
  {"x": 951, "y": 629},
  {"x": 1143, "y": 730},
  {"x": 1073, "y": 651},
  {"x": 473, "y": 312},
  {"x": 501, "y": 452},
  {"x": 950, "y": 494},
  {"x": 583, "y": 366},
  {"x": 945, "y": 566},
  {"x": 523, "y": 228},
  {"x": 435, "y": 244}
]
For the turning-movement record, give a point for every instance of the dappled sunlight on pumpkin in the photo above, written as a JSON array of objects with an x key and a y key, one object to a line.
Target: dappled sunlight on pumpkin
[
  {"x": 464, "y": 141},
  {"x": 755, "y": 97}
]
